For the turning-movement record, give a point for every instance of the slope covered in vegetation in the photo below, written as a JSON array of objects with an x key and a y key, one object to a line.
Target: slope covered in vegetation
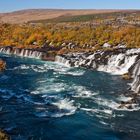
[
  {"x": 116, "y": 29},
  {"x": 24, "y": 16},
  {"x": 91, "y": 17},
  {"x": 83, "y": 36}
]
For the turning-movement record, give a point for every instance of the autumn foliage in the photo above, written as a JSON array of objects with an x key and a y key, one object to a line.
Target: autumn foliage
[{"x": 85, "y": 37}]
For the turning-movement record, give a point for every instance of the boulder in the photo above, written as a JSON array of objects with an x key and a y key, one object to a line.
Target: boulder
[
  {"x": 126, "y": 76},
  {"x": 4, "y": 136},
  {"x": 106, "y": 45},
  {"x": 2, "y": 65}
]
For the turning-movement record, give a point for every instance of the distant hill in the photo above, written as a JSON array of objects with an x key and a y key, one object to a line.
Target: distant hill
[{"x": 25, "y": 16}]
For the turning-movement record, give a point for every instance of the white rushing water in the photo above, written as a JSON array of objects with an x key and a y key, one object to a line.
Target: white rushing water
[
  {"x": 22, "y": 52},
  {"x": 114, "y": 67},
  {"x": 135, "y": 85},
  {"x": 110, "y": 62},
  {"x": 117, "y": 64}
]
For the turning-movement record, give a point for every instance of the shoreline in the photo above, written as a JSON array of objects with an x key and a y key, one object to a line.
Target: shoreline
[
  {"x": 120, "y": 61},
  {"x": 110, "y": 61}
]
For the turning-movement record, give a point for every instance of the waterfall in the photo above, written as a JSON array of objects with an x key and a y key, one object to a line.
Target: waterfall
[
  {"x": 116, "y": 62},
  {"x": 30, "y": 54},
  {"x": 135, "y": 85},
  {"x": 5, "y": 50},
  {"x": 110, "y": 62},
  {"x": 22, "y": 52},
  {"x": 62, "y": 60}
]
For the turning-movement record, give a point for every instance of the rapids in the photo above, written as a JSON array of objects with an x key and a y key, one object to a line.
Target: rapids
[{"x": 49, "y": 101}]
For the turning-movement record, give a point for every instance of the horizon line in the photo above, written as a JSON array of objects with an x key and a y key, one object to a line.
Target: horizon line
[{"x": 24, "y": 9}]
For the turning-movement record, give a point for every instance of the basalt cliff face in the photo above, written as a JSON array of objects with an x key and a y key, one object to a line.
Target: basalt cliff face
[
  {"x": 117, "y": 62},
  {"x": 39, "y": 53},
  {"x": 21, "y": 52}
]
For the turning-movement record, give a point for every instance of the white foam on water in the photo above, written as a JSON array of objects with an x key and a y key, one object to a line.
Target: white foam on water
[
  {"x": 73, "y": 73},
  {"x": 41, "y": 81},
  {"x": 119, "y": 115},
  {"x": 49, "y": 88},
  {"x": 105, "y": 111},
  {"x": 23, "y": 67},
  {"x": 106, "y": 103},
  {"x": 124, "y": 98},
  {"x": 38, "y": 68},
  {"x": 87, "y": 109},
  {"x": 115, "y": 106},
  {"x": 104, "y": 123},
  {"x": 56, "y": 67},
  {"x": 60, "y": 108},
  {"x": 81, "y": 91},
  {"x": 65, "y": 106}
]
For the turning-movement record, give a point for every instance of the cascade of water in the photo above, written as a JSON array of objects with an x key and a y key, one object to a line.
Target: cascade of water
[
  {"x": 115, "y": 63},
  {"x": 22, "y": 52},
  {"x": 135, "y": 86},
  {"x": 62, "y": 60}
]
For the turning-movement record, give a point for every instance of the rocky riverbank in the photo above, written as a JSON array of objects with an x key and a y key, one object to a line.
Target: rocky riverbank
[
  {"x": 2, "y": 65},
  {"x": 4, "y": 136},
  {"x": 121, "y": 61}
]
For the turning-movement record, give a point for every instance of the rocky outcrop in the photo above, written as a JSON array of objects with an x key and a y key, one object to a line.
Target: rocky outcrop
[
  {"x": 2, "y": 65},
  {"x": 120, "y": 61},
  {"x": 4, "y": 136}
]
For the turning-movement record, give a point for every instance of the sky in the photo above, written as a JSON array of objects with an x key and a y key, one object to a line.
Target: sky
[{"x": 14, "y": 5}]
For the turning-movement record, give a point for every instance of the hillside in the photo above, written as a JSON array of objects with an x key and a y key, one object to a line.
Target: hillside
[
  {"x": 24, "y": 16},
  {"x": 131, "y": 15}
]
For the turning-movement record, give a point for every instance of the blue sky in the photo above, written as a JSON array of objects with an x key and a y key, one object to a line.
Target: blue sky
[{"x": 12, "y": 5}]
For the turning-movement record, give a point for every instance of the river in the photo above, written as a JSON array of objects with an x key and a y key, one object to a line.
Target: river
[{"x": 48, "y": 101}]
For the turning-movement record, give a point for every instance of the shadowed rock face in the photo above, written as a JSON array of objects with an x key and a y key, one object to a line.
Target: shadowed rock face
[{"x": 118, "y": 62}]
